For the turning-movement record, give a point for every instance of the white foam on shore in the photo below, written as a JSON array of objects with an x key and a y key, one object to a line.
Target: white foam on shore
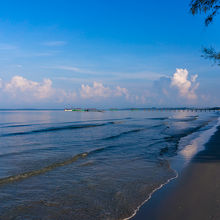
[
  {"x": 150, "y": 195},
  {"x": 196, "y": 145}
]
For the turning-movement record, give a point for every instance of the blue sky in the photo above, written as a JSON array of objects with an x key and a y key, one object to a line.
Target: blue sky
[{"x": 117, "y": 53}]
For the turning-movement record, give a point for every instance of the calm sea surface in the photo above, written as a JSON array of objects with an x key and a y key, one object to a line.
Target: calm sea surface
[{"x": 89, "y": 165}]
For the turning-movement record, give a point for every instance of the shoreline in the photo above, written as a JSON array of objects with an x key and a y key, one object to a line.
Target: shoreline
[
  {"x": 194, "y": 183},
  {"x": 150, "y": 195}
]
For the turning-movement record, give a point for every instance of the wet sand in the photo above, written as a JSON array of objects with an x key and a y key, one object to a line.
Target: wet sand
[{"x": 195, "y": 194}]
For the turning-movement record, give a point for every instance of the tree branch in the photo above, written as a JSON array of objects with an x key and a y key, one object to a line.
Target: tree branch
[
  {"x": 205, "y": 6},
  {"x": 211, "y": 54}
]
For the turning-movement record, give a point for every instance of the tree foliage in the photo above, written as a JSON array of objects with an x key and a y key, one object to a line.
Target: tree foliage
[
  {"x": 210, "y": 53},
  {"x": 211, "y": 8}
]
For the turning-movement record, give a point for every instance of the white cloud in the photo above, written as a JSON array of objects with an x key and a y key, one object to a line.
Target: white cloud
[
  {"x": 99, "y": 90},
  {"x": 20, "y": 85},
  {"x": 122, "y": 91},
  {"x": 179, "y": 89},
  {"x": 54, "y": 43},
  {"x": 194, "y": 77},
  {"x": 45, "y": 90},
  {"x": 185, "y": 86},
  {"x": 20, "y": 89},
  {"x": 176, "y": 90}
]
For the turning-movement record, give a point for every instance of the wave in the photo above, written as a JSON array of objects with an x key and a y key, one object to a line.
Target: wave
[
  {"x": 18, "y": 126},
  {"x": 52, "y": 166},
  {"x": 11, "y": 125},
  {"x": 18, "y": 177},
  {"x": 102, "y": 139},
  {"x": 123, "y": 133},
  {"x": 59, "y": 128},
  {"x": 187, "y": 119},
  {"x": 158, "y": 119},
  {"x": 175, "y": 139},
  {"x": 48, "y": 168},
  {"x": 186, "y": 132},
  {"x": 25, "y": 175},
  {"x": 132, "y": 131},
  {"x": 28, "y": 151}
]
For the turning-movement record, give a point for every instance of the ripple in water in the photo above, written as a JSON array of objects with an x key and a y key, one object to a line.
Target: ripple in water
[{"x": 87, "y": 165}]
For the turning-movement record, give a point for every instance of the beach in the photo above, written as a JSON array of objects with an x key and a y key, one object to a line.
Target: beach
[{"x": 195, "y": 194}]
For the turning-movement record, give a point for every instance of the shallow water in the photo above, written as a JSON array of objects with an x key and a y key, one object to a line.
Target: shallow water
[{"x": 88, "y": 165}]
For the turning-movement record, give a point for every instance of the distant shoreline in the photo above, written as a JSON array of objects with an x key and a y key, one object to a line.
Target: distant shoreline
[
  {"x": 30, "y": 109},
  {"x": 121, "y": 109}
]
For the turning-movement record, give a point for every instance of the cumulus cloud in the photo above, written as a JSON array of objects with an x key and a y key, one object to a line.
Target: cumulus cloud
[
  {"x": 99, "y": 90},
  {"x": 21, "y": 89},
  {"x": 122, "y": 91},
  {"x": 96, "y": 90},
  {"x": 186, "y": 87},
  {"x": 20, "y": 85},
  {"x": 178, "y": 89}
]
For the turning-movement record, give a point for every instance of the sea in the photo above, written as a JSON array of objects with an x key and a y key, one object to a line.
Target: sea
[{"x": 93, "y": 165}]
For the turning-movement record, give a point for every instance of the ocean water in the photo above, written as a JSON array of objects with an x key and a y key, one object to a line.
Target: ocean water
[{"x": 91, "y": 165}]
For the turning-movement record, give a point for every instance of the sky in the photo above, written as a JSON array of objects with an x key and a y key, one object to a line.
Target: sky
[{"x": 102, "y": 53}]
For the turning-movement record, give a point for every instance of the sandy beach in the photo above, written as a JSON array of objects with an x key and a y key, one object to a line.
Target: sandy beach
[{"x": 195, "y": 194}]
